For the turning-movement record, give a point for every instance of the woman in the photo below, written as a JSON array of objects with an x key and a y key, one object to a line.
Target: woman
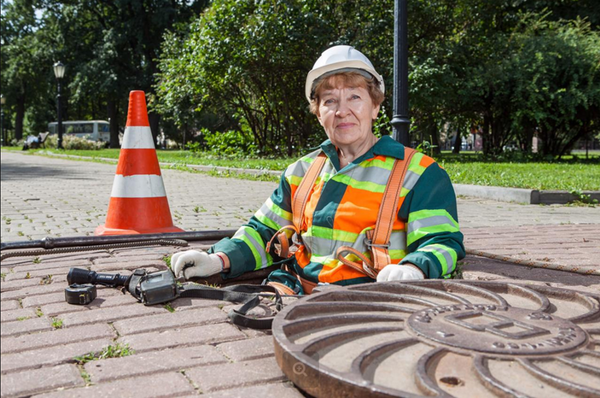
[{"x": 333, "y": 216}]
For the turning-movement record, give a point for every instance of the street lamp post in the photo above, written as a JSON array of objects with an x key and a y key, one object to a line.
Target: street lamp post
[
  {"x": 59, "y": 73},
  {"x": 2, "y": 102},
  {"x": 400, "y": 120}
]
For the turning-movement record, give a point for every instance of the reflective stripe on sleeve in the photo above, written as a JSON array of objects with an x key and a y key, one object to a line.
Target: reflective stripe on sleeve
[
  {"x": 273, "y": 216},
  {"x": 410, "y": 180},
  {"x": 252, "y": 238},
  {"x": 445, "y": 255},
  {"x": 425, "y": 222}
]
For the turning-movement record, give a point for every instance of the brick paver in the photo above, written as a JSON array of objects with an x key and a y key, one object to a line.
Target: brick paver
[
  {"x": 171, "y": 384},
  {"x": 153, "y": 362},
  {"x": 279, "y": 390},
  {"x": 244, "y": 350},
  {"x": 40, "y": 380},
  {"x": 33, "y": 341},
  {"x": 238, "y": 374},
  {"x": 195, "y": 349},
  {"x": 53, "y": 355},
  {"x": 181, "y": 337}
]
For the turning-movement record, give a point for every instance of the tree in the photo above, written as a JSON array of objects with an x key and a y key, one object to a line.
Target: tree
[
  {"x": 109, "y": 47},
  {"x": 24, "y": 85},
  {"x": 246, "y": 61},
  {"x": 560, "y": 92},
  {"x": 493, "y": 64}
]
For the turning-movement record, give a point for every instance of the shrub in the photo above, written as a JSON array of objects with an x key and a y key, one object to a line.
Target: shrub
[
  {"x": 72, "y": 142},
  {"x": 230, "y": 143}
]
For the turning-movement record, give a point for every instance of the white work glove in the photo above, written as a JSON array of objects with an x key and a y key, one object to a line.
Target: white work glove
[
  {"x": 193, "y": 263},
  {"x": 397, "y": 272}
]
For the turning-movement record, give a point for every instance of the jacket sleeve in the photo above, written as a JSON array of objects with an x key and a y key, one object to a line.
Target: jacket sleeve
[
  {"x": 247, "y": 248},
  {"x": 434, "y": 241}
]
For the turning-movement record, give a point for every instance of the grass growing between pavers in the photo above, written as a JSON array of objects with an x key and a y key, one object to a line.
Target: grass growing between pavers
[
  {"x": 572, "y": 174},
  {"x": 112, "y": 351},
  {"x": 116, "y": 351}
]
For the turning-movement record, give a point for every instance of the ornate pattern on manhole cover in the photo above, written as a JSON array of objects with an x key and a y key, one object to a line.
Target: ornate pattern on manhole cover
[{"x": 442, "y": 338}]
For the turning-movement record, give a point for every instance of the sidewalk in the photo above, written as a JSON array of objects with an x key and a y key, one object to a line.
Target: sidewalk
[{"x": 195, "y": 349}]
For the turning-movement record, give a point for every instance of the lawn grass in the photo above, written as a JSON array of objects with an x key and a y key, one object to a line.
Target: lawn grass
[
  {"x": 570, "y": 174},
  {"x": 542, "y": 176}
]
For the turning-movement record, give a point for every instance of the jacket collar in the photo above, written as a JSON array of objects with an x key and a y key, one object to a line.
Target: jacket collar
[{"x": 386, "y": 146}]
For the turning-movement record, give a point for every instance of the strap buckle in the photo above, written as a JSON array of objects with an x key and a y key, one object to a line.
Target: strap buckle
[{"x": 371, "y": 245}]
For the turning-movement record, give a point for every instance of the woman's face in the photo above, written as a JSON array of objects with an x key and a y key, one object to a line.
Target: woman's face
[{"x": 347, "y": 114}]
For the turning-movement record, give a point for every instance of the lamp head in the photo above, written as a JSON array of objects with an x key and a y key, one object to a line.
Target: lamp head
[{"x": 59, "y": 70}]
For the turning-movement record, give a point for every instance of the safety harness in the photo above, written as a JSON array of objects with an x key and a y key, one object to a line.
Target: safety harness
[{"x": 378, "y": 239}]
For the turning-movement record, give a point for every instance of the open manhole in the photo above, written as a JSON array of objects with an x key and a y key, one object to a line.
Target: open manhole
[{"x": 442, "y": 338}]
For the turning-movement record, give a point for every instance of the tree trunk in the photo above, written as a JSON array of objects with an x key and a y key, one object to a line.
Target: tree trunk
[
  {"x": 434, "y": 136},
  {"x": 457, "y": 143},
  {"x": 154, "y": 119},
  {"x": 19, "y": 116},
  {"x": 113, "y": 118},
  {"x": 485, "y": 136}
]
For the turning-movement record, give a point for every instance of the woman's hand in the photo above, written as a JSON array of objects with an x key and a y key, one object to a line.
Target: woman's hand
[
  {"x": 396, "y": 272},
  {"x": 193, "y": 263}
]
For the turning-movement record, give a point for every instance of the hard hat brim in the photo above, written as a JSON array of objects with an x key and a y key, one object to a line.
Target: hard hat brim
[{"x": 315, "y": 74}]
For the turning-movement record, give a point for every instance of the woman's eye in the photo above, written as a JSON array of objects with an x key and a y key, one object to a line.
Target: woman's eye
[
  {"x": 329, "y": 101},
  {"x": 355, "y": 97}
]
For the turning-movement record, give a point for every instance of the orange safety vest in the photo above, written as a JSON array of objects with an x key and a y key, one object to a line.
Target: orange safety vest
[{"x": 378, "y": 239}]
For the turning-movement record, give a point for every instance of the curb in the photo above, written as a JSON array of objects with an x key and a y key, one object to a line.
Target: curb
[
  {"x": 501, "y": 194},
  {"x": 520, "y": 195}
]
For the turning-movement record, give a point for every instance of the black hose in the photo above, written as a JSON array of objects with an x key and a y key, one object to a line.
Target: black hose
[
  {"x": 52, "y": 243},
  {"x": 73, "y": 249}
]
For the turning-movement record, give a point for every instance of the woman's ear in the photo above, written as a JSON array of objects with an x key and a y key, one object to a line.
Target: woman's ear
[
  {"x": 320, "y": 119},
  {"x": 375, "y": 112}
]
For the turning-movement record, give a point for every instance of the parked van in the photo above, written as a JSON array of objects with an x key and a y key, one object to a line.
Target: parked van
[{"x": 93, "y": 130}]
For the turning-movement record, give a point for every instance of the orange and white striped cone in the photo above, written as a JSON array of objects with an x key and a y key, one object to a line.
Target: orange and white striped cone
[{"x": 138, "y": 202}]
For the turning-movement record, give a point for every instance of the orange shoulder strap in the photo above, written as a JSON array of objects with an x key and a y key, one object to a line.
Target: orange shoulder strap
[
  {"x": 304, "y": 189},
  {"x": 280, "y": 240},
  {"x": 380, "y": 238}
]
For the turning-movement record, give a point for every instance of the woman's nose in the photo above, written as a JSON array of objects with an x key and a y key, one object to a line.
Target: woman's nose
[{"x": 343, "y": 109}]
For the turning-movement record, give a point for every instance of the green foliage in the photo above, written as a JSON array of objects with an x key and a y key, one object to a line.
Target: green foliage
[
  {"x": 71, "y": 142},
  {"x": 25, "y": 87},
  {"x": 232, "y": 143},
  {"x": 57, "y": 323},
  {"x": 563, "y": 176},
  {"x": 514, "y": 68},
  {"x": 194, "y": 147},
  {"x": 426, "y": 148},
  {"x": 167, "y": 260},
  {"x": 112, "y": 351},
  {"x": 581, "y": 198},
  {"x": 382, "y": 125},
  {"x": 247, "y": 61},
  {"x": 510, "y": 68},
  {"x": 109, "y": 48},
  {"x": 514, "y": 170},
  {"x": 169, "y": 308},
  {"x": 536, "y": 77}
]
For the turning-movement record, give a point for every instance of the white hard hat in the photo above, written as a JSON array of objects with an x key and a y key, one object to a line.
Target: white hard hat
[{"x": 340, "y": 59}]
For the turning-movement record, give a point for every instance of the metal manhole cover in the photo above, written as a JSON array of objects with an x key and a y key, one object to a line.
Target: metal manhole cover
[{"x": 442, "y": 338}]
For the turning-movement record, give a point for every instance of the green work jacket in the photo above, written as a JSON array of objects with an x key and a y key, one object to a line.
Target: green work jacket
[{"x": 344, "y": 205}]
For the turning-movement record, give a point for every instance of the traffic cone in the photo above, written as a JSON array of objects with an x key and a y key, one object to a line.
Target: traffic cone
[{"x": 138, "y": 202}]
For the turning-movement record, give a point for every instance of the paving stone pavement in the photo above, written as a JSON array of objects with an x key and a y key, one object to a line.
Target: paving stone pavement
[{"x": 190, "y": 348}]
